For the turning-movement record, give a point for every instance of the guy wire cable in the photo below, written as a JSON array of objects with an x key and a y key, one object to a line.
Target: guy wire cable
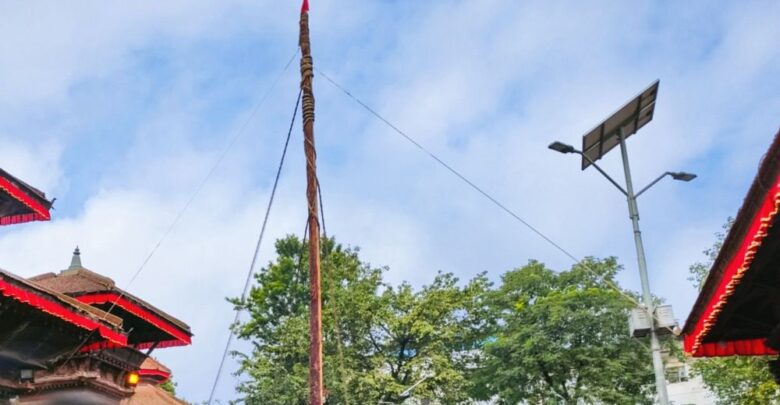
[
  {"x": 483, "y": 192},
  {"x": 251, "y": 271},
  {"x": 187, "y": 204}
]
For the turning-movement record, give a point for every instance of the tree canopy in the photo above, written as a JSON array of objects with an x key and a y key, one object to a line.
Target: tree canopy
[
  {"x": 539, "y": 336},
  {"x": 379, "y": 340},
  {"x": 563, "y": 338}
]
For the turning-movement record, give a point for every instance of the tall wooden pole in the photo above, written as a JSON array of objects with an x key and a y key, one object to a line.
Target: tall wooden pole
[{"x": 315, "y": 302}]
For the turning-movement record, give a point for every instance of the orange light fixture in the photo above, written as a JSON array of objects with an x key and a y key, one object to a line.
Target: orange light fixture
[{"x": 132, "y": 379}]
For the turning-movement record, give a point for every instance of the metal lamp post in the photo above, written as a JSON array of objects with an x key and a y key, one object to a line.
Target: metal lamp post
[
  {"x": 612, "y": 132},
  {"x": 633, "y": 210}
]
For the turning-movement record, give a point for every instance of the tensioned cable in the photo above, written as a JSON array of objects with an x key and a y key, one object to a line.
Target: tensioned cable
[
  {"x": 480, "y": 190},
  {"x": 214, "y": 168},
  {"x": 447, "y": 166},
  {"x": 197, "y": 191},
  {"x": 251, "y": 271},
  {"x": 344, "y": 381}
]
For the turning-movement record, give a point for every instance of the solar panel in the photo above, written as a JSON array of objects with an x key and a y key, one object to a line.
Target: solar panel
[{"x": 632, "y": 116}]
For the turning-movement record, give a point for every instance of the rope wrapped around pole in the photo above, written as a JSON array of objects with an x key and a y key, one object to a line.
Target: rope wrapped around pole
[{"x": 315, "y": 300}]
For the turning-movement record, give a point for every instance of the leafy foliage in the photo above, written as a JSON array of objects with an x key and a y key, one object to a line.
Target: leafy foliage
[
  {"x": 169, "y": 386},
  {"x": 733, "y": 380},
  {"x": 738, "y": 380},
  {"x": 539, "y": 337},
  {"x": 378, "y": 340},
  {"x": 562, "y": 338},
  {"x": 700, "y": 270}
]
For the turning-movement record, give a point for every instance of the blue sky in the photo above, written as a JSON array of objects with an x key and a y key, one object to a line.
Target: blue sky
[{"x": 120, "y": 109}]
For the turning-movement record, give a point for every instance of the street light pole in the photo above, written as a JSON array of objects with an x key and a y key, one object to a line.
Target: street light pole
[
  {"x": 631, "y": 197},
  {"x": 612, "y": 131},
  {"x": 655, "y": 347}
]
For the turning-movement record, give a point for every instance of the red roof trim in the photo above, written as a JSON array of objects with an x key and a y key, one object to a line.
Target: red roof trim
[
  {"x": 155, "y": 373},
  {"x": 181, "y": 338},
  {"x": 9, "y": 290},
  {"x": 40, "y": 213},
  {"x": 749, "y": 347},
  {"x": 734, "y": 271},
  {"x": 20, "y": 219},
  {"x": 163, "y": 344},
  {"x": 141, "y": 346}
]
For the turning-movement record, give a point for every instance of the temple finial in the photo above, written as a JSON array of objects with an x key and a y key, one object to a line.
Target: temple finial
[{"x": 75, "y": 262}]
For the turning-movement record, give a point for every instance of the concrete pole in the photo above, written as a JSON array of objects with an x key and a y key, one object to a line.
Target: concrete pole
[{"x": 655, "y": 347}]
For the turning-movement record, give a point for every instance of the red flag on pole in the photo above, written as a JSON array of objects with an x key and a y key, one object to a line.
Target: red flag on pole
[{"x": 305, "y": 6}]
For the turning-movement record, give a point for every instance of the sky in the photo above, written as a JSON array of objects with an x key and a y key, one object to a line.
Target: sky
[{"x": 121, "y": 109}]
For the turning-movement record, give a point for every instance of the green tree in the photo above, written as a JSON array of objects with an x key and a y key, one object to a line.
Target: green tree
[
  {"x": 700, "y": 270},
  {"x": 562, "y": 339},
  {"x": 378, "y": 340},
  {"x": 169, "y": 386},
  {"x": 734, "y": 380}
]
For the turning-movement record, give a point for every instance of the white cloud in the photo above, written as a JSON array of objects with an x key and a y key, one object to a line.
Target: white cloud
[
  {"x": 485, "y": 85},
  {"x": 36, "y": 163}
]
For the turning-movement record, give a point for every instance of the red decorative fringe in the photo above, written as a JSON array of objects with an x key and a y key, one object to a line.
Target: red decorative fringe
[
  {"x": 749, "y": 347},
  {"x": 155, "y": 373},
  {"x": 163, "y": 344},
  {"x": 20, "y": 219},
  {"x": 60, "y": 311},
  {"x": 181, "y": 338},
  {"x": 140, "y": 346},
  {"x": 732, "y": 276},
  {"x": 99, "y": 346},
  {"x": 40, "y": 213}
]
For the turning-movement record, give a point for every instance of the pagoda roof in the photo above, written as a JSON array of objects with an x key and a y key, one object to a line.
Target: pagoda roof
[
  {"x": 20, "y": 202},
  {"x": 150, "y": 326},
  {"x": 30, "y": 307},
  {"x": 736, "y": 312},
  {"x": 154, "y": 372},
  {"x": 149, "y": 394}
]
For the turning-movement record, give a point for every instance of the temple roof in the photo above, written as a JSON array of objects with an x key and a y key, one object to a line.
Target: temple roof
[
  {"x": 39, "y": 289},
  {"x": 739, "y": 303},
  {"x": 31, "y": 310},
  {"x": 154, "y": 372},
  {"x": 146, "y": 394},
  {"x": 153, "y": 364},
  {"x": 151, "y": 326},
  {"x": 20, "y": 202}
]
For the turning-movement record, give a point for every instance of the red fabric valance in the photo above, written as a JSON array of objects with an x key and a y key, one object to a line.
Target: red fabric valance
[
  {"x": 749, "y": 347},
  {"x": 180, "y": 338},
  {"x": 60, "y": 311},
  {"x": 732, "y": 276},
  {"x": 140, "y": 346},
  {"x": 159, "y": 374},
  {"x": 38, "y": 211}
]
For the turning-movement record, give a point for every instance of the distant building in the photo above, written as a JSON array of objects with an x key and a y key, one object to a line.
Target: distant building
[{"x": 684, "y": 389}]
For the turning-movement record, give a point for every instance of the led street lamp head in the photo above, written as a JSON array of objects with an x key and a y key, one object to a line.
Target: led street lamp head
[
  {"x": 561, "y": 147},
  {"x": 682, "y": 176}
]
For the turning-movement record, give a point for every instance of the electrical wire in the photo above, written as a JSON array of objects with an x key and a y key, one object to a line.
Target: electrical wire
[
  {"x": 196, "y": 192},
  {"x": 251, "y": 271},
  {"x": 219, "y": 160},
  {"x": 481, "y": 191},
  {"x": 343, "y": 381}
]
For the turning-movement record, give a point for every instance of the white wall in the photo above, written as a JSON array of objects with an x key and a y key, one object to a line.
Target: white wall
[{"x": 690, "y": 392}]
